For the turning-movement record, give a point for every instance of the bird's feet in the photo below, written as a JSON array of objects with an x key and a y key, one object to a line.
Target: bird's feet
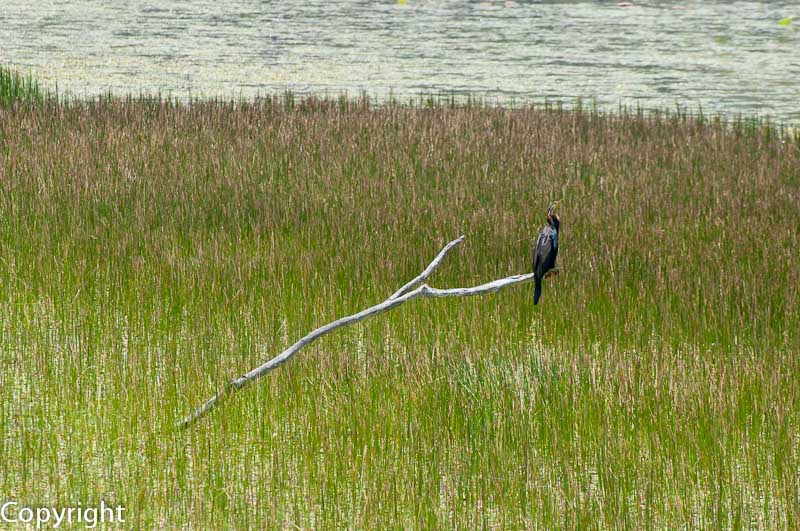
[{"x": 551, "y": 273}]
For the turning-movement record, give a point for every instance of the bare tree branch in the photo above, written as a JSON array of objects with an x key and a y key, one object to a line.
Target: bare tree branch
[
  {"x": 428, "y": 270},
  {"x": 399, "y": 297}
]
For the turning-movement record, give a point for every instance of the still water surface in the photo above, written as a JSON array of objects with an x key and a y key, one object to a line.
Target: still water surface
[{"x": 724, "y": 57}]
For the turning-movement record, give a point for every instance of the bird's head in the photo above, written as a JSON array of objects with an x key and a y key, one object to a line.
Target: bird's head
[{"x": 552, "y": 217}]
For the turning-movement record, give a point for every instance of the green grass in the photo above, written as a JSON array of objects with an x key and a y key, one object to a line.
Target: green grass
[
  {"x": 15, "y": 87},
  {"x": 150, "y": 251}
]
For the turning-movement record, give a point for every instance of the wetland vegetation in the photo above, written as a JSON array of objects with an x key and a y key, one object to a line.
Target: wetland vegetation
[{"x": 151, "y": 250}]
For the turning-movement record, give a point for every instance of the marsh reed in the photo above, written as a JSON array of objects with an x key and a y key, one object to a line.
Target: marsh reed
[{"x": 151, "y": 250}]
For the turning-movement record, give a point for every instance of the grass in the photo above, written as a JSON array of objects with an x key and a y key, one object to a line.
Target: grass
[
  {"x": 149, "y": 251},
  {"x": 15, "y": 87}
]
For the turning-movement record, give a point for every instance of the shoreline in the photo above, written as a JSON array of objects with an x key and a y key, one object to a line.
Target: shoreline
[{"x": 428, "y": 99}]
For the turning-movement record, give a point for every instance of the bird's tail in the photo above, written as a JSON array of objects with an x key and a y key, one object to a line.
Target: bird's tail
[{"x": 537, "y": 293}]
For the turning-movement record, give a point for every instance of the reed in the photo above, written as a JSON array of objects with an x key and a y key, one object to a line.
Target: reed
[
  {"x": 151, "y": 250},
  {"x": 15, "y": 87}
]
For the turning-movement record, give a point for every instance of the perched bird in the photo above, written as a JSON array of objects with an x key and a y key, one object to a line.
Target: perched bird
[{"x": 546, "y": 250}]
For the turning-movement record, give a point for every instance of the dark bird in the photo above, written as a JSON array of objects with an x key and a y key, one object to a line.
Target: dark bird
[{"x": 546, "y": 250}]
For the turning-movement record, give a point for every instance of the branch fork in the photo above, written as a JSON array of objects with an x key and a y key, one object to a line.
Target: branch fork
[{"x": 411, "y": 290}]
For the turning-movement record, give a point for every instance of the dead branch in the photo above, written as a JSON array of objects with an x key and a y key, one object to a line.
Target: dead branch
[{"x": 402, "y": 295}]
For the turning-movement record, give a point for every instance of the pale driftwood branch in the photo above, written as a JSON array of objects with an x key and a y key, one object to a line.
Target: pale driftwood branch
[
  {"x": 428, "y": 270},
  {"x": 402, "y": 295}
]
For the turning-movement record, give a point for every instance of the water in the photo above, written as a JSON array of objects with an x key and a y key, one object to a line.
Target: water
[{"x": 724, "y": 57}]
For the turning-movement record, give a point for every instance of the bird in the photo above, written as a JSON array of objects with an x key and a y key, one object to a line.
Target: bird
[{"x": 546, "y": 250}]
